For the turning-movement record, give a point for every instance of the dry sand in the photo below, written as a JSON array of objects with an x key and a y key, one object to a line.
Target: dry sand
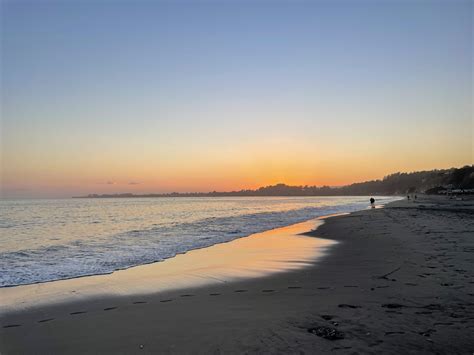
[{"x": 399, "y": 281}]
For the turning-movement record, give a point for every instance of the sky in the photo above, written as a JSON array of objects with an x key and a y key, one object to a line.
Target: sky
[{"x": 157, "y": 96}]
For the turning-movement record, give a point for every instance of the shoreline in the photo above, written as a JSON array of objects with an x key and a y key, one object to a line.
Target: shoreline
[
  {"x": 323, "y": 217},
  {"x": 389, "y": 285},
  {"x": 174, "y": 273},
  {"x": 148, "y": 256},
  {"x": 174, "y": 256}
]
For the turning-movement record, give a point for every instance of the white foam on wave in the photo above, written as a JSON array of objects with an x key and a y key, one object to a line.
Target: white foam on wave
[{"x": 158, "y": 241}]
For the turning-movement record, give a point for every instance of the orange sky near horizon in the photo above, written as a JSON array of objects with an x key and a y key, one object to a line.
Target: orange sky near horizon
[
  {"x": 223, "y": 170},
  {"x": 159, "y": 96},
  {"x": 65, "y": 164}
]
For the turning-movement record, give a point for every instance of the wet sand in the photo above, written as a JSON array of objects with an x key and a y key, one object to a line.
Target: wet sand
[
  {"x": 258, "y": 255},
  {"x": 399, "y": 280}
]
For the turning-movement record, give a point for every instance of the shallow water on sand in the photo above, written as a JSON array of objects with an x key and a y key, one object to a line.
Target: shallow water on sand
[
  {"x": 261, "y": 254},
  {"x": 44, "y": 240}
]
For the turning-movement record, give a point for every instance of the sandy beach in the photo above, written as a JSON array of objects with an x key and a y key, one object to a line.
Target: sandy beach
[
  {"x": 394, "y": 280},
  {"x": 236, "y": 177}
]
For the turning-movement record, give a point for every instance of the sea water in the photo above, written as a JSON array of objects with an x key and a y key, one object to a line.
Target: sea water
[{"x": 45, "y": 240}]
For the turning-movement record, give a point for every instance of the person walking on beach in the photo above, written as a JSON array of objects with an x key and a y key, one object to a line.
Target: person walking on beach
[{"x": 372, "y": 202}]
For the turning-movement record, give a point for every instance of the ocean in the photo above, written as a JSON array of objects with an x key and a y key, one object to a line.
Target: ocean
[{"x": 45, "y": 240}]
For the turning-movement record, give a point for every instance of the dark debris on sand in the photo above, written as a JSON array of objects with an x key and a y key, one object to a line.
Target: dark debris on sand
[{"x": 327, "y": 333}]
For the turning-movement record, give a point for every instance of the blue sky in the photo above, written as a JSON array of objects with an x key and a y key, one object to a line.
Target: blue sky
[{"x": 292, "y": 91}]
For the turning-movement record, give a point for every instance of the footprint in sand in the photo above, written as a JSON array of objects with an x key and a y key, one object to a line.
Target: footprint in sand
[
  {"x": 78, "y": 312},
  {"x": 434, "y": 307},
  {"x": 166, "y": 300},
  {"x": 377, "y": 342},
  {"x": 344, "y": 305},
  {"x": 214, "y": 294},
  {"x": 187, "y": 295},
  {"x": 393, "y": 312},
  {"x": 393, "y": 305},
  {"x": 45, "y": 320},
  {"x": 396, "y": 332},
  {"x": 110, "y": 308},
  {"x": 427, "y": 333},
  {"x": 241, "y": 291},
  {"x": 12, "y": 325}
]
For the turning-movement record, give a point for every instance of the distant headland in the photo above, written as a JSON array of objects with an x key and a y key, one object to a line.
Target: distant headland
[{"x": 460, "y": 180}]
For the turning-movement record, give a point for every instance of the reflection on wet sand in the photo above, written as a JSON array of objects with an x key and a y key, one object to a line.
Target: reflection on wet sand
[{"x": 258, "y": 255}]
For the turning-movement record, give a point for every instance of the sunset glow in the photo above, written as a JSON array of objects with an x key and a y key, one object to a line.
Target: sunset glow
[{"x": 204, "y": 96}]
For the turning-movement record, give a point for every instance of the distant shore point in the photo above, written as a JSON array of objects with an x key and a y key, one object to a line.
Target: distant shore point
[{"x": 446, "y": 181}]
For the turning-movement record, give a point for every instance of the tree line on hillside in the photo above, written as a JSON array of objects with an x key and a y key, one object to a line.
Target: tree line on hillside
[
  {"x": 395, "y": 184},
  {"x": 420, "y": 181}
]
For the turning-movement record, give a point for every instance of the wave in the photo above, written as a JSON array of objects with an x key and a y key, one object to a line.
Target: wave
[{"x": 135, "y": 247}]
